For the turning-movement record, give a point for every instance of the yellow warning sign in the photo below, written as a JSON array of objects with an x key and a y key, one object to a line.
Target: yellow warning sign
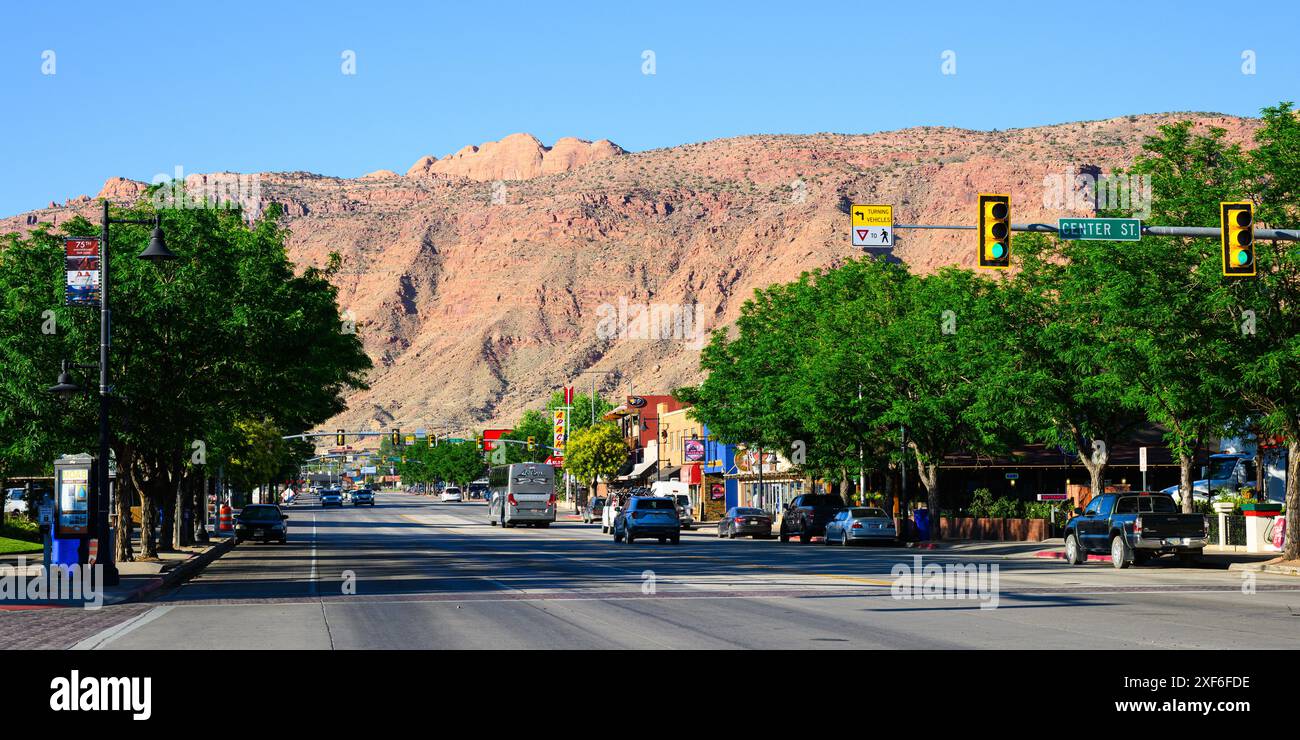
[
  {"x": 873, "y": 215},
  {"x": 873, "y": 225}
]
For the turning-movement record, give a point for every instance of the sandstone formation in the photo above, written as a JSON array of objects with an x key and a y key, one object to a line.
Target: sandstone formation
[{"x": 477, "y": 298}]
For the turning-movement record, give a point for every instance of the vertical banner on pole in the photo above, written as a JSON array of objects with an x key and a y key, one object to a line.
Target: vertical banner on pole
[{"x": 561, "y": 428}]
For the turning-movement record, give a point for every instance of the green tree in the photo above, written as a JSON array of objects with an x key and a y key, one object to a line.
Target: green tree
[
  {"x": 595, "y": 452},
  {"x": 1267, "y": 359},
  {"x": 946, "y": 381},
  {"x": 226, "y": 333},
  {"x": 1170, "y": 350},
  {"x": 459, "y": 462},
  {"x": 534, "y": 423},
  {"x": 1060, "y": 387},
  {"x": 585, "y": 408}
]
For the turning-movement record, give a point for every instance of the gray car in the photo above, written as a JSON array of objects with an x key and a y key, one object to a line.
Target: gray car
[{"x": 861, "y": 524}]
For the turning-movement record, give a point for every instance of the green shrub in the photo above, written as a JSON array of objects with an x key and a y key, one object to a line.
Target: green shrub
[
  {"x": 21, "y": 528},
  {"x": 981, "y": 500},
  {"x": 1005, "y": 508}
]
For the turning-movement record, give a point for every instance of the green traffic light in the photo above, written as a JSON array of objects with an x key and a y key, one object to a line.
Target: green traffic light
[
  {"x": 997, "y": 250},
  {"x": 1242, "y": 257}
]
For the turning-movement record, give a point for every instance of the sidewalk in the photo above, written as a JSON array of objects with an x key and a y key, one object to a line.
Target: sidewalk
[
  {"x": 1274, "y": 564},
  {"x": 137, "y": 579}
]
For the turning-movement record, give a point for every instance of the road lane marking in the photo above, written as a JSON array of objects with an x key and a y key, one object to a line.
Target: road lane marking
[
  {"x": 312, "y": 577},
  {"x": 857, "y": 579},
  {"x": 104, "y": 637}
]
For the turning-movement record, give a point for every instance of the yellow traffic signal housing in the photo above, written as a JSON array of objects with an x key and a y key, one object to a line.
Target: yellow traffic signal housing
[
  {"x": 532, "y": 443},
  {"x": 478, "y": 442},
  {"x": 995, "y": 231},
  {"x": 397, "y": 437},
  {"x": 1237, "y": 232},
  {"x": 340, "y": 438}
]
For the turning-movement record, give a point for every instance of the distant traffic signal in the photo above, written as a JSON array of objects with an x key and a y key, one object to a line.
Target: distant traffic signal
[
  {"x": 340, "y": 438},
  {"x": 478, "y": 443},
  {"x": 995, "y": 231},
  {"x": 397, "y": 437},
  {"x": 532, "y": 443},
  {"x": 1237, "y": 231}
]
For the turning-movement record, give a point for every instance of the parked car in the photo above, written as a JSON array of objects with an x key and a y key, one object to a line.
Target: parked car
[
  {"x": 679, "y": 492},
  {"x": 647, "y": 516},
  {"x": 14, "y": 502},
  {"x": 613, "y": 507},
  {"x": 331, "y": 497},
  {"x": 1133, "y": 528},
  {"x": 263, "y": 523},
  {"x": 363, "y": 496},
  {"x": 593, "y": 509},
  {"x": 450, "y": 493},
  {"x": 807, "y": 516},
  {"x": 861, "y": 524},
  {"x": 741, "y": 521}
]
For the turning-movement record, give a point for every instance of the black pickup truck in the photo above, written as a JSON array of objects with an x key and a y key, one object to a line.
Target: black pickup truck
[
  {"x": 1133, "y": 528},
  {"x": 807, "y": 515}
]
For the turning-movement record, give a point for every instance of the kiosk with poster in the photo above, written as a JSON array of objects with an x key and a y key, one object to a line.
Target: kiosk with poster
[{"x": 74, "y": 477}]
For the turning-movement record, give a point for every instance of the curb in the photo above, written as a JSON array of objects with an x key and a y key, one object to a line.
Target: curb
[
  {"x": 1058, "y": 555},
  {"x": 184, "y": 571},
  {"x": 1284, "y": 570}
]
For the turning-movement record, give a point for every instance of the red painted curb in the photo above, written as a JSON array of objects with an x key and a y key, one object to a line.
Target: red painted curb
[{"x": 1060, "y": 555}]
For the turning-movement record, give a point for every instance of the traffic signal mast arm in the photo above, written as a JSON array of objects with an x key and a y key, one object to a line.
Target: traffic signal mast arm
[
  {"x": 1211, "y": 232},
  {"x": 502, "y": 440}
]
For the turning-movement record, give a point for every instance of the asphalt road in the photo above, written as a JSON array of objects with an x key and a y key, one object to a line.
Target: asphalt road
[{"x": 415, "y": 573}]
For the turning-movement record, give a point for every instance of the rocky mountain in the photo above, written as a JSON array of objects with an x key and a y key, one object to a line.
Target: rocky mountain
[{"x": 482, "y": 281}]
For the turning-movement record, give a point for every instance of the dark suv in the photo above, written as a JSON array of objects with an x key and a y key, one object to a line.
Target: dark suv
[{"x": 808, "y": 515}]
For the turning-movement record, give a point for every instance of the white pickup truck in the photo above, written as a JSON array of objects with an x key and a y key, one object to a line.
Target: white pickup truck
[{"x": 14, "y": 502}]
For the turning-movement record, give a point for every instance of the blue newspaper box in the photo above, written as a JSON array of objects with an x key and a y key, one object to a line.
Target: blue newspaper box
[{"x": 922, "y": 519}]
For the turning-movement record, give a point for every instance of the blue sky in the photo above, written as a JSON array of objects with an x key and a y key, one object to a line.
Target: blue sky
[{"x": 141, "y": 88}]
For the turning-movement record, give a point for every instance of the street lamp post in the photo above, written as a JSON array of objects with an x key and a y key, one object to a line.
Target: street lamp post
[{"x": 157, "y": 251}]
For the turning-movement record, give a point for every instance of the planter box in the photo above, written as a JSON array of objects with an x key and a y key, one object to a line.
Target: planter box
[{"x": 994, "y": 530}]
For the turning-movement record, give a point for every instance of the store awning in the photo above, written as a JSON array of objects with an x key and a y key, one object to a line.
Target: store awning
[
  {"x": 640, "y": 469},
  {"x": 670, "y": 472}
]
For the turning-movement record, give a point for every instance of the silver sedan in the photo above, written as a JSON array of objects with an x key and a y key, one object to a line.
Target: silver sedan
[{"x": 861, "y": 524}]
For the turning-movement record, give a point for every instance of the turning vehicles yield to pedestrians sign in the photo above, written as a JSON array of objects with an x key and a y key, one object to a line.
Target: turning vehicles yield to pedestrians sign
[{"x": 873, "y": 225}]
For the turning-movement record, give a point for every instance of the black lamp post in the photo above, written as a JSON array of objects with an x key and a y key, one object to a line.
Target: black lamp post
[{"x": 156, "y": 252}]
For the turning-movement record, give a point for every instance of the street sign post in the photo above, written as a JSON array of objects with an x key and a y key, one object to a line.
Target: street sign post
[
  {"x": 1100, "y": 229},
  {"x": 1142, "y": 464},
  {"x": 872, "y": 225}
]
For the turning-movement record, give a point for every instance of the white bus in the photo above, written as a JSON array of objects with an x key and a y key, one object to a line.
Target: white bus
[{"x": 522, "y": 493}]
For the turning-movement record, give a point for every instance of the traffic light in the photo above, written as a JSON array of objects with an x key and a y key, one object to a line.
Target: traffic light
[
  {"x": 1237, "y": 231},
  {"x": 397, "y": 437},
  {"x": 478, "y": 443},
  {"x": 340, "y": 438},
  {"x": 532, "y": 443},
  {"x": 995, "y": 231}
]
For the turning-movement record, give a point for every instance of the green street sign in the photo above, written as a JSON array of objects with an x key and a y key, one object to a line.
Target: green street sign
[{"x": 1101, "y": 229}]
